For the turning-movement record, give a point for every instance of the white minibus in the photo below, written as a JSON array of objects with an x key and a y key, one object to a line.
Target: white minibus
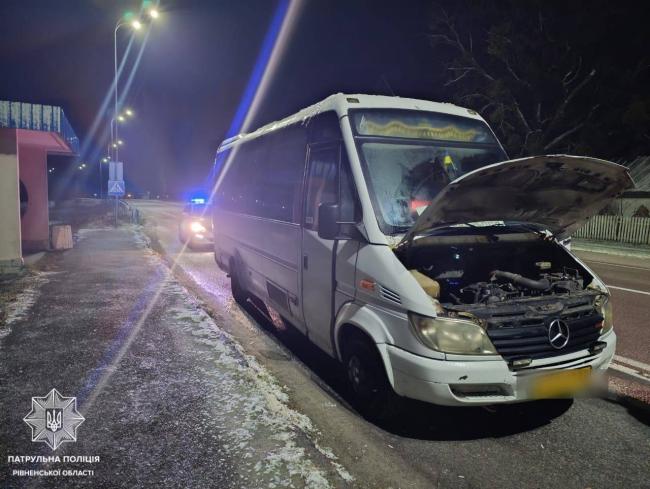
[{"x": 396, "y": 235}]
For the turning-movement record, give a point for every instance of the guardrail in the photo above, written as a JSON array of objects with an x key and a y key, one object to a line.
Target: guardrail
[
  {"x": 128, "y": 212},
  {"x": 634, "y": 230}
]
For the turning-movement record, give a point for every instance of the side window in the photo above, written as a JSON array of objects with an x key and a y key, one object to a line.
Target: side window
[
  {"x": 324, "y": 127},
  {"x": 322, "y": 182},
  {"x": 265, "y": 176},
  {"x": 230, "y": 196},
  {"x": 328, "y": 182},
  {"x": 281, "y": 169}
]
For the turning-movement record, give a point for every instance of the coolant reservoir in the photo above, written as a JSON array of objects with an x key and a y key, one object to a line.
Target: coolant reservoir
[{"x": 430, "y": 286}]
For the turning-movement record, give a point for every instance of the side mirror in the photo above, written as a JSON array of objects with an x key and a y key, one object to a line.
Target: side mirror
[
  {"x": 330, "y": 225},
  {"x": 328, "y": 221}
]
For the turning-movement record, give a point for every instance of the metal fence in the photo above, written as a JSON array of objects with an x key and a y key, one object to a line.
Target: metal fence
[
  {"x": 634, "y": 230},
  {"x": 38, "y": 117},
  {"x": 128, "y": 212}
]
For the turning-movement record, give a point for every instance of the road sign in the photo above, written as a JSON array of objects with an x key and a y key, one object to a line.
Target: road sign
[
  {"x": 115, "y": 171},
  {"x": 116, "y": 188}
]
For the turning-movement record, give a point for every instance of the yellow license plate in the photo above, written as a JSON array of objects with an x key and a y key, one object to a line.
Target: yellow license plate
[{"x": 561, "y": 384}]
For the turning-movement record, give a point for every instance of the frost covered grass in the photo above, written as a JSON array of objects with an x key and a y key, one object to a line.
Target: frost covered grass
[
  {"x": 82, "y": 233},
  {"x": 18, "y": 308},
  {"x": 252, "y": 410}
]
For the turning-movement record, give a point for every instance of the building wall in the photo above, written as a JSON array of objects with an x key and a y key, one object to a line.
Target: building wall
[
  {"x": 33, "y": 174},
  {"x": 10, "y": 247}
]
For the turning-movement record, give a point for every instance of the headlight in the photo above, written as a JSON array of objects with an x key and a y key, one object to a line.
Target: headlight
[
  {"x": 603, "y": 304},
  {"x": 197, "y": 227},
  {"x": 452, "y": 335}
]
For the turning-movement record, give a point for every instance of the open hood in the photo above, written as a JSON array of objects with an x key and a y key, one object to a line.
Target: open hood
[{"x": 558, "y": 192}]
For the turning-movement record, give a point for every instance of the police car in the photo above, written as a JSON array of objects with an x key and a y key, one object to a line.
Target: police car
[{"x": 195, "y": 228}]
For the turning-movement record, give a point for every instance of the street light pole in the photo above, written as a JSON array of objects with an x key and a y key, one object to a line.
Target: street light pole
[{"x": 114, "y": 134}]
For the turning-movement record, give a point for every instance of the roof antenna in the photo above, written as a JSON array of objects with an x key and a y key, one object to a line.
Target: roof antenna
[{"x": 385, "y": 80}]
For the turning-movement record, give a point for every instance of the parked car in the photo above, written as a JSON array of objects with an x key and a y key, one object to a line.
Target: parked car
[
  {"x": 195, "y": 227},
  {"x": 398, "y": 237}
]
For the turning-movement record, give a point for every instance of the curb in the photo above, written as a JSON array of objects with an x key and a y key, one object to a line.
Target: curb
[{"x": 611, "y": 248}]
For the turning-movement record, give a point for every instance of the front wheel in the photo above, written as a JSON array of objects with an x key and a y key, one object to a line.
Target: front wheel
[
  {"x": 238, "y": 292},
  {"x": 372, "y": 393}
]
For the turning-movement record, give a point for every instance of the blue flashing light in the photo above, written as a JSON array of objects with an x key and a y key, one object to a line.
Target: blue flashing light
[
  {"x": 197, "y": 200},
  {"x": 260, "y": 66}
]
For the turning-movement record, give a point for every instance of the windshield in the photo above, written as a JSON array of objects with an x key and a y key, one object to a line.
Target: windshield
[{"x": 406, "y": 161}]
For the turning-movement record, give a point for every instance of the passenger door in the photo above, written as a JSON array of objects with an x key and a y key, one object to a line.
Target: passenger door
[{"x": 328, "y": 181}]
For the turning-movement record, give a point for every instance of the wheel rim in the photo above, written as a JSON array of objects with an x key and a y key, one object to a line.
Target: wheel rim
[{"x": 356, "y": 373}]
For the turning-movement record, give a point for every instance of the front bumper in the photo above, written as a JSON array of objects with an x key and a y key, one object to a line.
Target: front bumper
[
  {"x": 482, "y": 382},
  {"x": 203, "y": 238}
]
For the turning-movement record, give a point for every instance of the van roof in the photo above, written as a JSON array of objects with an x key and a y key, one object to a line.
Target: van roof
[{"x": 341, "y": 102}]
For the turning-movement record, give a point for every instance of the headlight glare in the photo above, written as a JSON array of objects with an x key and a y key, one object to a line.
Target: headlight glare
[
  {"x": 452, "y": 335},
  {"x": 197, "y": 227}
]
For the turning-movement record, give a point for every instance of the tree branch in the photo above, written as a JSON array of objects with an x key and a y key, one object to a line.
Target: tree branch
[
  {"x": 567, "y": 100},
  {"x": 458, "y": 78},
  {"x": 456, "y": 41},
  {"x": 568, "y": 132},
  {"x": 563, "y": 136}
]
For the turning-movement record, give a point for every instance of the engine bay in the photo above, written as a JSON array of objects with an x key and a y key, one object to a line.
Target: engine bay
[{"x": 474, "y": 272}]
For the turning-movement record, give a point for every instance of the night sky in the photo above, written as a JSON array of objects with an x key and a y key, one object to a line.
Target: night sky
[{"x": 196, "y": 64}]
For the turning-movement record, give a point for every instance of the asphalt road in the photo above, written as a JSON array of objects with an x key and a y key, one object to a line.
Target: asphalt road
[
  {"x": 629, "y": 281},
  {"x": 593, "y": 443}
]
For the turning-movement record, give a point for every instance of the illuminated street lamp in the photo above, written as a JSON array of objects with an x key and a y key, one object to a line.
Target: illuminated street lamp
[{"x": 136, "y": 24}]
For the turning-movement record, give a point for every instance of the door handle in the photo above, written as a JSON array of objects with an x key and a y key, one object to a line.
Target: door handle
[{"x": 305, "y": 262}]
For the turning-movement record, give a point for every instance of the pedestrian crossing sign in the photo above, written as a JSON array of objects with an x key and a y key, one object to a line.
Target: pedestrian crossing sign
[{"x": 116, "y": 188}]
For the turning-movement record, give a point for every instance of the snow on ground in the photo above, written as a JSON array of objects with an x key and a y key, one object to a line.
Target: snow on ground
[
  {"x": 252, "y": 410},
  {"x": 82, "y": 233},
  {"x": 267, "y": 432},
  {"x": 20, "y": 306}
]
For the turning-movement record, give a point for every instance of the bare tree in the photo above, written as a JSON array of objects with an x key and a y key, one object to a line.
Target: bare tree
[{"x": 526, "y": 79}]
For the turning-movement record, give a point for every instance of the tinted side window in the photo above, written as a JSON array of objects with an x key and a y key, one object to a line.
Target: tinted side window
[
  {"x": 265, "y": 176},
  {"x": 324, "y": 127},
  {"x": 281, "y": 168},
  {"x": 328, "y": 182},
  {"x": 234, "y": 189},
  {"x": 322, "y": 182}
]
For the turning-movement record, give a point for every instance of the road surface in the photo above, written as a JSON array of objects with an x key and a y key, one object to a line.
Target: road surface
[{"x": 585, "y": 443}]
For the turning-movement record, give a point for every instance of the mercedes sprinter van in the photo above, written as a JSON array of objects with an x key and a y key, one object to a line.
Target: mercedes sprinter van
[{"x": 398, "y": 237}]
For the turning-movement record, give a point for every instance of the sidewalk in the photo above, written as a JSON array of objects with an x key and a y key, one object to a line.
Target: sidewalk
[
  {"x": 169, "y": 399},
  {"x": 610, "y": 248}
]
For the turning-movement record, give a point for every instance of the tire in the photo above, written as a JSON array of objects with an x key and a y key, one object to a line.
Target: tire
[
  {"x": 238, "y": 292},
  {"x": 185, "y": 241},
  {"x": 371, "y": 391}
]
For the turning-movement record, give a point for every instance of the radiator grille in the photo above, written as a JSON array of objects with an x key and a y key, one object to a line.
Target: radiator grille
[{"x": 526, "y": 337}]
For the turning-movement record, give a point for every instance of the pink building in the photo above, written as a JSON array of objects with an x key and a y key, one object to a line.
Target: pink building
[{"x": 28, "y": 134}]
